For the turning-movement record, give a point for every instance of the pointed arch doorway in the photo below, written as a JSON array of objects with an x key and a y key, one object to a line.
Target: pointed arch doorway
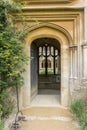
[
  {"x": 64, "y": 39},
  {"x": 45, "y": 67}
]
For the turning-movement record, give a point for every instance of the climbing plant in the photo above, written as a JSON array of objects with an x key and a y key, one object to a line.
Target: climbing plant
[{"x": 12, "y": 54}]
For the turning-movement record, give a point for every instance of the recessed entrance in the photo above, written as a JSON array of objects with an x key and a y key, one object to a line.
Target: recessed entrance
[
  {"x": 59, "y": 39},
  {"x": 45, "y": 67}
]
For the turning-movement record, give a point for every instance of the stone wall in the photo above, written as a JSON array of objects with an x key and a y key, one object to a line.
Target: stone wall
[{"x": 67, "y": 23}]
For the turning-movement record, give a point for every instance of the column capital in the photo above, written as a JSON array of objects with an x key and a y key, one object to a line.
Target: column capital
[{"x": 73, "y": 46}]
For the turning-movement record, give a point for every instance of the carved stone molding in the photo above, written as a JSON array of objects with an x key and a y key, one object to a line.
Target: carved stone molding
[
  {"x": 73, "y": 46},
  {"x": 84, "y": 44},
  {"x": 46, "y": 1}
]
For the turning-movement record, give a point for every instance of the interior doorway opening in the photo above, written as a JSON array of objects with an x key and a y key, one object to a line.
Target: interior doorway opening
[{"x": 45, "y": 67}]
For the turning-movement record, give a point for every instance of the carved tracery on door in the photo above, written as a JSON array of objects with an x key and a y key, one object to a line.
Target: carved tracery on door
[
  {"x": 49, "y": 70},
  {"x": 49, "y": 60}
]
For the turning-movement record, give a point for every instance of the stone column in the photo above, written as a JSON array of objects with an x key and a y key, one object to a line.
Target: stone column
[
  {"x": 71, "y": 63},
  {"x": 73, "y": 68},
  {"x": 64, "y": 75},
  {"x": 85, "y": 24},
  {"x": 27, "y": 84},
  {"x": 75, "y": 61},
  {"x": 84, "y": 61}
]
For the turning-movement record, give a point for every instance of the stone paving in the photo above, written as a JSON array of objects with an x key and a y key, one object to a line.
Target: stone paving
[{"x": 48, "y": 118}]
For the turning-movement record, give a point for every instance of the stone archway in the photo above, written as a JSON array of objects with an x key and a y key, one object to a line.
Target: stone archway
[
  {"x": 45, "y": 66},
  {"x": 65, "y": 40}
]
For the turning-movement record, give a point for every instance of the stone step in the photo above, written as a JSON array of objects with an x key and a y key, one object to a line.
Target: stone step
[
  {"x": 48, "y": 118},
  {"x": 47, "y": 112}
]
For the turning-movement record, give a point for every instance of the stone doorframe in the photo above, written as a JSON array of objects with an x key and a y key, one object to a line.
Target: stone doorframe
[{"x": 63, "y": 36}]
